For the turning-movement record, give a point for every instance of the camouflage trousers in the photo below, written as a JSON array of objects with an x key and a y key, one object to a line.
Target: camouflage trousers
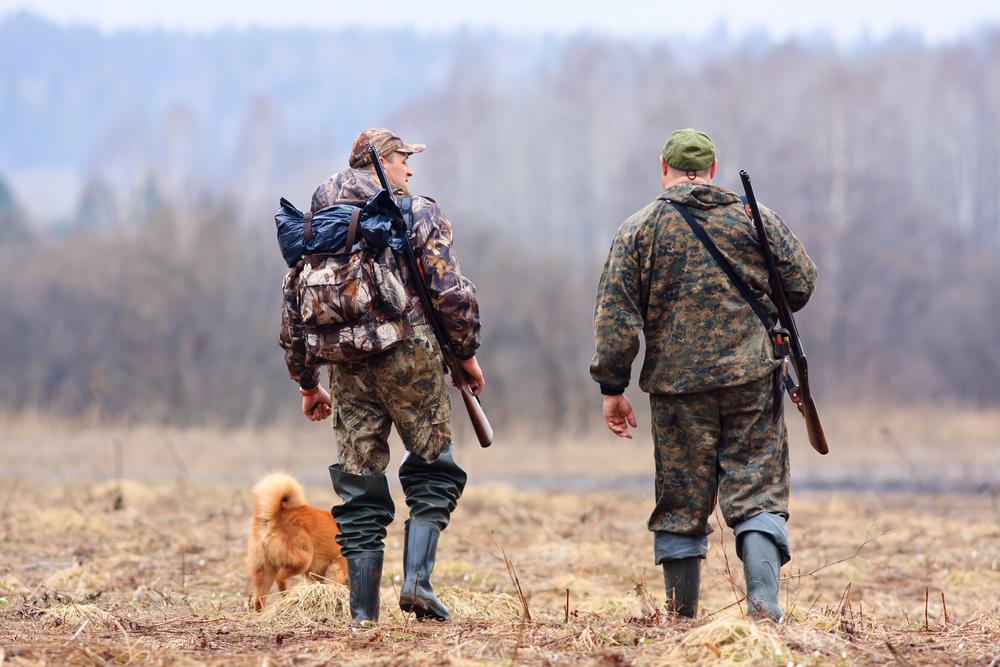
[
  {"x": 718, "y": 445},
  {"x": 405, "y": 386}
]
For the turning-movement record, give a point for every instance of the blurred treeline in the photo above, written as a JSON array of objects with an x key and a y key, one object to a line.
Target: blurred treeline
[{"x": 156, "y": 296}]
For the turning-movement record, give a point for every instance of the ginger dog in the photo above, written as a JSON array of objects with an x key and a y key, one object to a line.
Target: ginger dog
[{"x": 288, "y": 538}]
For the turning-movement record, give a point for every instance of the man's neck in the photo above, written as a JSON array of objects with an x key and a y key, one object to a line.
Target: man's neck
[{"x": 698, "y": 180}]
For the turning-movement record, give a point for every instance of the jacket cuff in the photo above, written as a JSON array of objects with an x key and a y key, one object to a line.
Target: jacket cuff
[
  {"x": 613, "y": 390},
  {"x": 308, "y": 382}
]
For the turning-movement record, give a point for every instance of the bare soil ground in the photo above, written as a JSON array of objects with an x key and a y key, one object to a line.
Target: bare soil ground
[
  {"x": 161, "y": 581},
  {"x": 158, "y": 578}
]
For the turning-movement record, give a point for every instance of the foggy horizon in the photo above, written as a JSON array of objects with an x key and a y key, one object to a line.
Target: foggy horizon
[{"x": 849, "y": 24}]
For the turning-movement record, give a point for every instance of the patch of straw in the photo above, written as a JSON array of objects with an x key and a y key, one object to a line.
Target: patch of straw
[
  {"x": 731, "y": 642},
  {"x": 60, "y": 520},
  {"x": 465, "y": 604},
  {"x": 76, "y": 580},
  {"x": 135, "y": 494},
  {"x": 9, "y": 584},
  {"x": 315, "y": 602},
  {"x": 75, "y": 614},
  {"x": 616, "y": 607}
]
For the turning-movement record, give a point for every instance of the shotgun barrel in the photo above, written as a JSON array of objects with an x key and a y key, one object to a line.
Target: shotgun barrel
[
  {"x": 805, "y": 402},
  {"x": 480, "y": 423}
]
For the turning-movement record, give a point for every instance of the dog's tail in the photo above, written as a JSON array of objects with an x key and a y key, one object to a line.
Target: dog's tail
[{"x": 275, "y": 492}]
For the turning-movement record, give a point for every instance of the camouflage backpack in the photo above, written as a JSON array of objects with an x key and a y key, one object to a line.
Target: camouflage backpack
[{"x": 352, "y": 303}]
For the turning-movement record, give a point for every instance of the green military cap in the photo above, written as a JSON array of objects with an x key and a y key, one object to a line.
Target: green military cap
[{"x": 689, "y": 150}]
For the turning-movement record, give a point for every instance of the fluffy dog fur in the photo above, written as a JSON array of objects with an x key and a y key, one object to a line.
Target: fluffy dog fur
[{"x": 288, "y": 538}]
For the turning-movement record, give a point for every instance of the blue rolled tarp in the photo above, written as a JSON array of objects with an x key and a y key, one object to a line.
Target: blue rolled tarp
[{"x": 329, "y": 230}]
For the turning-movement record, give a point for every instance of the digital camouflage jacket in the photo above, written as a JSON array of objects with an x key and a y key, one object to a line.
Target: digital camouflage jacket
[
  {"x": 659, "y": 279},
  {"x": 452, "y": 295}
]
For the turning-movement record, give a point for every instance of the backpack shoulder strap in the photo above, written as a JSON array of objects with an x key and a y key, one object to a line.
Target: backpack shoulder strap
[
  {"x": 724, "y": 264},
  {"x": 406, "y": 207},
  {"x": 307, "y": 227},
  {"x": 352, "y": 231}
]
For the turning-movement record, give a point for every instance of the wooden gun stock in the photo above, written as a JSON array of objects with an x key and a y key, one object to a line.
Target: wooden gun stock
[
  {"x": 814, "y": 429},
  {"x": 480, "y": 424}
]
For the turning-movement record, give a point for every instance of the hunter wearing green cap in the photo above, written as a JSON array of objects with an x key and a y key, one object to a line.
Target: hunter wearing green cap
[
  {"x": 710, "y": 370},
  {"x": 689, "y": 151}
]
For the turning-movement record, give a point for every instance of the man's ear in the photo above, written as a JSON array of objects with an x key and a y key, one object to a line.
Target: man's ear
[
  {"x": 663, "y": 166},
  {"x": 715, "y": 166}
]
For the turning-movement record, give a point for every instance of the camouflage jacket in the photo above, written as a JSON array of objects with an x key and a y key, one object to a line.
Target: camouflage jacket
[
  {"x": 452, "y": 295},
  {"x": 659, "y": 279}
]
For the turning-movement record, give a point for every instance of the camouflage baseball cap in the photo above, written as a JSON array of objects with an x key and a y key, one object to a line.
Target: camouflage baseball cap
[
  {"x": 384, "y": 141},
  {"x": 689, "y": 150}
]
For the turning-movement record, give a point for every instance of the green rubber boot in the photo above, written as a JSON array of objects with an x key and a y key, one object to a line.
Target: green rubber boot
[
  {"x": 362, "y": 519},
  {"x": 432, "y": 491},
  {"x": 682, "y": 580},
  {"x": 364, "y": 576},
  {"x": 761, "y": 563},
  {"x": 417, "y": 595}
]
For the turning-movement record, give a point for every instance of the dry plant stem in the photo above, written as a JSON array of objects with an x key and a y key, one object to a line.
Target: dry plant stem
[
  {"x": 895, "y": 653},
  {"x": 79, "y": 630},
  {"x": 729, "y": 571},
  {"x": 839, "y": 561},
  {"x": 119, "y": 474},
  {"x": 566, "y": 616},
  {"x": 818, "y": 596},
  {"x": 183, "y": 475},
  {"x": 845, "y": 596},
  {"x": 512, "y": 572},
  {"x": 927, "y": 597},
  {"x": 944, "y": 606}
]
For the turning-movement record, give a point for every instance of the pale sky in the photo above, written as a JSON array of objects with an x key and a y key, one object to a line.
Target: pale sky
[{"x": 845, "y": 20}]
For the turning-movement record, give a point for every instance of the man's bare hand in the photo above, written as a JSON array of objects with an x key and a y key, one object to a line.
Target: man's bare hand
[
  {"x": 473, "y": 376},
  {"x": 317, "y": 406},
  {"x": 618, "y": 415}
]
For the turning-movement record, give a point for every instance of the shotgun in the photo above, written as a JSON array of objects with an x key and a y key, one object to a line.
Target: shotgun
[
  {"x": 480, "y": 423},
  {"x": 800, "y": 394}
]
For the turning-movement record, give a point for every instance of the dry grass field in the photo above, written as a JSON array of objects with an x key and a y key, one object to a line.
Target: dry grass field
[{"x": 533, "y": 577}]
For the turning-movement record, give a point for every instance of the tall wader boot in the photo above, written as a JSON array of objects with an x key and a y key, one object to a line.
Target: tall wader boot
[
  {"x": 682, "y": 580},
  {"x": 761, "y": 563},
  {"x": 432, "y": 491},
  {"x": 362, "y": 520}
]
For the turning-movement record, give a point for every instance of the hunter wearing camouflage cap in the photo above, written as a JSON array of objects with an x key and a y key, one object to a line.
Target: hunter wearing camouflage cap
[
  {"x": 383, "y": 141},
  {"x": 403, "y": 386},
  {"x": 709, "y": 368}
]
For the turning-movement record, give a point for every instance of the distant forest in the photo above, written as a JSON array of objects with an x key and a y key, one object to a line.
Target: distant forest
[{"x": 154, "y": 294}]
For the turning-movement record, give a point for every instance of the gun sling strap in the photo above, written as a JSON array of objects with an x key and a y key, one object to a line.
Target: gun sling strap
[{"x": 724, "y": 264}]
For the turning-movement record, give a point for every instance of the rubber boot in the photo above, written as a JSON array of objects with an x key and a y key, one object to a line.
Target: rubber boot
[
  {"x": 362, "y": 521},
  {"x": 417, "y": 594},
  {"x": 682, "y": 580},
  {"x": 364, "y": 576},
  {"x": 761, "y": 562},
  {"x": 432, "y": 492}
]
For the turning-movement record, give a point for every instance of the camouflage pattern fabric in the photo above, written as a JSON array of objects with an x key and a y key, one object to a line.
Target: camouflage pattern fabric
[
  {"x": 718, "y": 444},
  {"x": 292, "y": 335},
  {"x": 405, "y": 386},
  {"x": 343, "y": 288},
  {"x": 351, "y": 342},
  {"x": 660, "y": 280},
  {"x": 452, "y": 295},
  {"x": 383, "y": 141},
  {"x": 351, "y": 306}
]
